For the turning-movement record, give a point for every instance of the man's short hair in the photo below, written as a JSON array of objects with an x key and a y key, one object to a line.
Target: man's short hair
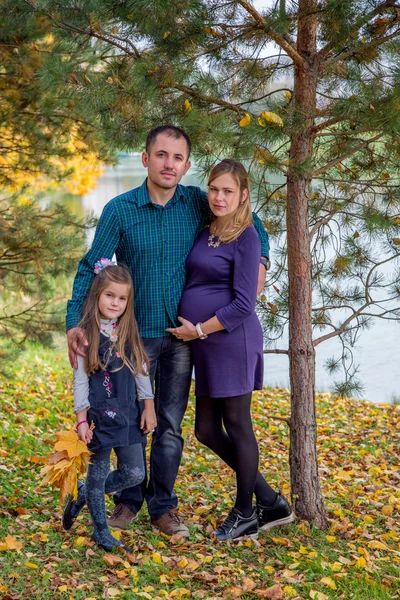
[{"x": 172, "y": 131}]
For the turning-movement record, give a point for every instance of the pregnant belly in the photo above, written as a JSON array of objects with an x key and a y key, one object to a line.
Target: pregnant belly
[{"x": 199, "y": 302}]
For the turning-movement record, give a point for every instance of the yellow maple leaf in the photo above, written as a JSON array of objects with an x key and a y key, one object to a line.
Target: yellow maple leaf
[
  {"x": 69, "y": 441},
  {"x": 245, "y": 121},
  {"x": 272, "y": 117},
  {"x": 71, "y": 457}
]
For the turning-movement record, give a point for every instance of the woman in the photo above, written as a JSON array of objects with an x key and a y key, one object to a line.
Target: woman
[{"x": 218, "y": 316}]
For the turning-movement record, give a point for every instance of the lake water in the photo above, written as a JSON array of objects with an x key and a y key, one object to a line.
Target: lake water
[{"x": 377, "y": 351}]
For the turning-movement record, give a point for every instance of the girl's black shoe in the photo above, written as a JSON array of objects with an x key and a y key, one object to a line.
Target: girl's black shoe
[
  {"x": 279, "y": 513},
  {"x": 111, "y": 545},
  {"x": 67, "y": 518},
  {"x": 236, "y": 526}
]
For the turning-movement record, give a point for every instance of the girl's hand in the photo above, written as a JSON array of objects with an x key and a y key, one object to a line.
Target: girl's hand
[
  {"x": 85, "y": 433},
  {"x": 186, "y": 332},
  {"x": 148, "y": 421}
]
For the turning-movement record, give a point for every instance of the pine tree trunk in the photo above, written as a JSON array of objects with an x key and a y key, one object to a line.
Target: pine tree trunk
[{"x": 306, "y": 490}]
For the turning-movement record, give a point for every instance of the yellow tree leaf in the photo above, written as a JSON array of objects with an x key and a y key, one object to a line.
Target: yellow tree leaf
[
  {"x": 13, "y": 544},
  {"x": 272, "y": 117},
  {"x": 156, "y": 558},
  {"x": 183, "y": 563},
  {"x": 31, "y": 565},
  {"x": 188, "y": 105},
  {"x": 360, "y": 563},
  {"x": 387, "y": 510},
  {"x": 329, "y": 582},
  {"x": 80, "y": 541},
  {"x": 245, "y": 121}
]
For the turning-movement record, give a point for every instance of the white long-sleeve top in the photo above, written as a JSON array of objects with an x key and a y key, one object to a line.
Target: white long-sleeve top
[{"x": 81, "y": 379}]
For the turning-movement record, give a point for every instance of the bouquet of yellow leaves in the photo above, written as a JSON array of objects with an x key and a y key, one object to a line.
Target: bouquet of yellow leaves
[{"x": 71, "y": 457}]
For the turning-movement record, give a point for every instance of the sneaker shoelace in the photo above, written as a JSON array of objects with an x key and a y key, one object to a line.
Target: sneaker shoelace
[{"x": 229, "y": 522}]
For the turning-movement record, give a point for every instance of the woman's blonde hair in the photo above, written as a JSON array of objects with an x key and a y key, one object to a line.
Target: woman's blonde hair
[
  {"x": 242, "y": 217},
  {"x": 128, "y": 344}
]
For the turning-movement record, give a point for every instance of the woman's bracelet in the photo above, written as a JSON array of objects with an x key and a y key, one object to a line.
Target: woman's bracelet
[{"x": 80, "y": 423}]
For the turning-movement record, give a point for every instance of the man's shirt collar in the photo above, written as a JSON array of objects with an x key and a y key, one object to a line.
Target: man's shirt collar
[{"x": 143, "y": 196}]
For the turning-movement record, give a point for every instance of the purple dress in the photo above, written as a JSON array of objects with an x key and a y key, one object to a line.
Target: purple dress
[{"x": 222, "y": 282}]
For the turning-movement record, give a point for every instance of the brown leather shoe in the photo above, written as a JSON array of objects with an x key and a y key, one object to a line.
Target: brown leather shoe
[
  {"x": 121, "y": 518},
  {"x": 170, "y": 525}
]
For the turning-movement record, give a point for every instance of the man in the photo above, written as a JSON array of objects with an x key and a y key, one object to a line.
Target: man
[{"x": 152, "y": 229}]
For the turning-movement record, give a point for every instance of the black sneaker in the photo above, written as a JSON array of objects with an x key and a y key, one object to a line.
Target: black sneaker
[
  {"x": 236, "y": 526},
  {"x": 279, "y": 513}
]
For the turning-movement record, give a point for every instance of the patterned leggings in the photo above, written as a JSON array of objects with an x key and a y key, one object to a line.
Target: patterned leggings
[{"x": 100, "y": 481}]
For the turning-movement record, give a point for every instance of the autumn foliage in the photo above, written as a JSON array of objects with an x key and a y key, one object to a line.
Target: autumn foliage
[
  {"x": 71, "y": 458},
  {"x": 357, "y": 558}
]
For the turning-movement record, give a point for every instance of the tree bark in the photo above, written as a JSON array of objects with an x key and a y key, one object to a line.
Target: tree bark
[{"x": 306, "y": 489}]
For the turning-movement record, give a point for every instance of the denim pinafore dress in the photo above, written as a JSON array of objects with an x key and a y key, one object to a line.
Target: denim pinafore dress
[{"x": 114, "y": 408}]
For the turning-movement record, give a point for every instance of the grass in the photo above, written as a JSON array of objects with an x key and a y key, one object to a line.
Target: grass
[{"x": 358, "y": 558}]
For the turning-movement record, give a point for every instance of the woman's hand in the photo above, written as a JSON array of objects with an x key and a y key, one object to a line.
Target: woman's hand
[
  {"x": 85, "y": 433},
  {"x": 148, "y": 420},
  {"x": 186, "y": 332}
]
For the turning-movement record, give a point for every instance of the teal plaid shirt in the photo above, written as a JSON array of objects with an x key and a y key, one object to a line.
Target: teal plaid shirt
[{"x": 153, "y": 242}]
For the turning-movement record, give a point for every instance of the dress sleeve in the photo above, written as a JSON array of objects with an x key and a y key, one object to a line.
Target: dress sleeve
[
  {"x": 105, "y": 244},
  {"x": 245, "y": 277},
  {"x": 81, "y": 386}
]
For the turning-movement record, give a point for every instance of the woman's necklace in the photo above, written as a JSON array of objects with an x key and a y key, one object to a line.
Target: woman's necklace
[
  {"x": 211, "y": 242},
  {"x": 111, "y": 334}
]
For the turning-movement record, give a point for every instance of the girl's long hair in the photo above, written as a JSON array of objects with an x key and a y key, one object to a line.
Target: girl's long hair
[
  {"x": 242, "y": 217},
  {"x": 129, "y": 344}
]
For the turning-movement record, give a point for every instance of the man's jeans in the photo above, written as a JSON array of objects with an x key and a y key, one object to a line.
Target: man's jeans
[{"x": 170, "y": 372}]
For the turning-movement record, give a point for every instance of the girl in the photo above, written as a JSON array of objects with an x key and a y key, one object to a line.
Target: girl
[
  {"x": 113, "y": 391},
  {"x": 227, "y": 347}
]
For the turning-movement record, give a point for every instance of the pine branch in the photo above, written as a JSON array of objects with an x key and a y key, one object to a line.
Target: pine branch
[
  {"x": 361, "y": 21},
  {"x": 360, "y": 48},
  {"x": 209, "y": 99},
  {"x": 328, "y": 123},
  {"x": 276, "y": 351},
  {"x": 285, "y": 42},
  {"x": 339, "y": 159}
]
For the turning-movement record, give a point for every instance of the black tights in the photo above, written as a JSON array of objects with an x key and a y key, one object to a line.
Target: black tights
[{"x": 224, "y": 425}]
